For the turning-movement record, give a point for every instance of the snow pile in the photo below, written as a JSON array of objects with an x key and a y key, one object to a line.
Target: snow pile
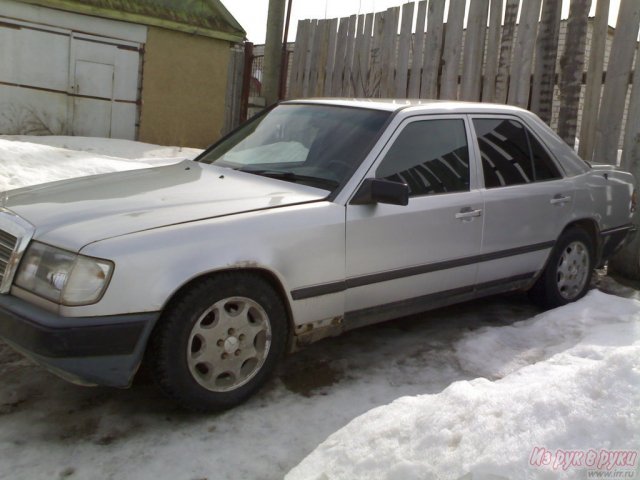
[
  {"x": 25, "y": 163},
  {"x": 583, "y": 393},
  {"x": 112, "y": 147}
]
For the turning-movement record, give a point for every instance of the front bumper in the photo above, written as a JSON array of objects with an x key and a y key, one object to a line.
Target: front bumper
[{"x": 91, "y": 351}]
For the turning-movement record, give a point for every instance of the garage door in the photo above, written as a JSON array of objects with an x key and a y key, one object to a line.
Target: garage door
[{"x": 58, "y": 82}]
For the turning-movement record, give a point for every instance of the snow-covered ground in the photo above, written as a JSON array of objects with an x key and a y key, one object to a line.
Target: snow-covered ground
[
  {"x": 32, "y": 160},
  {"x": 568, "y": 379},
  {"x": 492, "y": 389}
]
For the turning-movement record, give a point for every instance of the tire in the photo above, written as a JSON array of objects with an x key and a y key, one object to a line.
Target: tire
[
  {"x": 567, "y": 275},
  {"x": 217, "y": 344}
]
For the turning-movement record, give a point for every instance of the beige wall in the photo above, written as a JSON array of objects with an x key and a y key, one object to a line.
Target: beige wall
[{"x": 183, "y": 88}]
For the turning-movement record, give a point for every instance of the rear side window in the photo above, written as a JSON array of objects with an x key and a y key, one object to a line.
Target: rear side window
[
  {"x": 430, "y": 156},
  {"x": 511, "y": 155}
]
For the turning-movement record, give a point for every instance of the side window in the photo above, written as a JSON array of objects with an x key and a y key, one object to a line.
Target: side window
[
  {"x": 544, "y": 167},
  {"x": 511, "y": 155},
  {"x": 430, "y": 156}
]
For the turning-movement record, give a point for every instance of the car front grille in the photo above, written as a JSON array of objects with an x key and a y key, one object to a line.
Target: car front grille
[
  {"x": 15, "y": 235},
  {"x": 8, "y": 244}
]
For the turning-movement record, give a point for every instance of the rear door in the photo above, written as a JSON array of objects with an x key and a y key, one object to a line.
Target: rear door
[
  {"x": 527, "y": 202},
  {"x": 404, "y": 257}
]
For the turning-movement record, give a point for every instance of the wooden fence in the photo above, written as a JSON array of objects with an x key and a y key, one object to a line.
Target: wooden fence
[{"x": 579, "y": 85}]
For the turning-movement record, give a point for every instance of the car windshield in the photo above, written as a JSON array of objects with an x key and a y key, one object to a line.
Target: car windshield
[{"x": 317, "y": 145}]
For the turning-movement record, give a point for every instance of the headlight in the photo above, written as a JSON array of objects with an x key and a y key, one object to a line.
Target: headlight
[{"x": 63, "y": 277}]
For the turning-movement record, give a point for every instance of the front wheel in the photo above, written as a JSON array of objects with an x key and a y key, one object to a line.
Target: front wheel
[
  {"x": 218, "y": 343},
  {"x": 567, "y": 276}
]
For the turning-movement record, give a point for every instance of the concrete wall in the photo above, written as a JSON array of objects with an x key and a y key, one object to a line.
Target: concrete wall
[{"x": 183, "y": 88}]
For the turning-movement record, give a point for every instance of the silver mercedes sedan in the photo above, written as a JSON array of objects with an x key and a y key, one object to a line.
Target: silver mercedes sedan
[{"x": 316, "y": 217}]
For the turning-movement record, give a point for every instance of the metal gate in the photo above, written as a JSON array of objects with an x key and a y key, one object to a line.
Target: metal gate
[{"x": 58, "y": 82}]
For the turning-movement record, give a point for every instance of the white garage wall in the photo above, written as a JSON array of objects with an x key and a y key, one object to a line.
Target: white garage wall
[{"x": 56, "y": 80}]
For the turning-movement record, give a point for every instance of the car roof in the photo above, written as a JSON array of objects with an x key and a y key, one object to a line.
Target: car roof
[
  {"x": 426, "y": 105},
  {"x": 571, "y": 163}
]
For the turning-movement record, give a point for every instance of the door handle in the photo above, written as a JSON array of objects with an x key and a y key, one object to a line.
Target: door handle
[
  {"x": 468, "y": 212},
  {"x": 560, "y": 199}
]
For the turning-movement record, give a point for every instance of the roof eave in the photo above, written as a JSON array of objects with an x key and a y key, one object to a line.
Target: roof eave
[
  {"x": 72, "y": 6},
  {"x": 229, "y": 18}
]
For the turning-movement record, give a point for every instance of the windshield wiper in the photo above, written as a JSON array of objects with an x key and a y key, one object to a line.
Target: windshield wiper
[{"x": 294, "y": 177}]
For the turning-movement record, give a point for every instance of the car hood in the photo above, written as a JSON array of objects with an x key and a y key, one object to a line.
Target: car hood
[{"x": 73, "y": 213}]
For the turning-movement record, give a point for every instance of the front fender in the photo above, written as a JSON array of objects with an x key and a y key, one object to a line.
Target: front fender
[{"x": 300, "y": 245}]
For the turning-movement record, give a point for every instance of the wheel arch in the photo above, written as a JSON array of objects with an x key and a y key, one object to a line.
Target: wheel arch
[
  {"x": 166, "y": 355},
  {"x": 590, "y": 227},
  {"x": 265, "y": 274},
  {"x": 545, "y": 289}
]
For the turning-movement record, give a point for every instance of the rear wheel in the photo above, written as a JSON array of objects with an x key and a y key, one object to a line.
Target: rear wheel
[
  {"x": 218, "y": 343},
  {"x": 567, "y": 275}
]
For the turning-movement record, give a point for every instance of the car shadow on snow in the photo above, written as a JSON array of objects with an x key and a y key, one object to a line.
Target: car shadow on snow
[
  {"x": 386, "y": 347},
  {"x": 358, "y": 371},
  {"x": 407, "y": 350}
]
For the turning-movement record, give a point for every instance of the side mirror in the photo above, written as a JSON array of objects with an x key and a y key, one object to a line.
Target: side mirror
[{"x": 380, "y": 190}]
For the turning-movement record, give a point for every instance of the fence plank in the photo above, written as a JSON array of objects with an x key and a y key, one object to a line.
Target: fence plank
[
  {"x": 233, "y": 97},
  {"x": 358, "y": 71},
  {"x": 616, "y": 82},
  {"x": 320, "y": 58},
  {"x": 376, "y": 55},
  {"x": 365, "y": 55},
  {"x": 594, "y": 80},
  {"x": 332, "y": 26},
  {"x": 313, "y": 59},
  {"x": 304, "y": 56},
  {"x": 389, "y": 45},
  {"x": 393, "y": 51},
  {"x": 544, "y": 73},
  {"x": 631, "y": 147},
  {"x": 293, "y": 66},
  {"x": 347, "y": 81},
  {"x": 341, "y": 53},
  {"x": 294, "y": 72},
  {"x": 404, "y": 45},
  {"x": 385, "y": 52},
  {"x": 474, "y": 50},
  {"x": 572, "y": 67},
  {"x": 452, "y": 50},
  {"x": 506, "y": 46},
  {"x": 323, "y": 59},
  {"x": 523, "y": 61},
  {"x": 418, "y": 48},
  {"x": 308, "y": 63},
  {"x": 493, "y": 53},
  {"x": 432, "y": 50}
]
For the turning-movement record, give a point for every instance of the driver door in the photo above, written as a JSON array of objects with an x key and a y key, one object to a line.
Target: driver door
[{"x": 403, "y": 259}]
